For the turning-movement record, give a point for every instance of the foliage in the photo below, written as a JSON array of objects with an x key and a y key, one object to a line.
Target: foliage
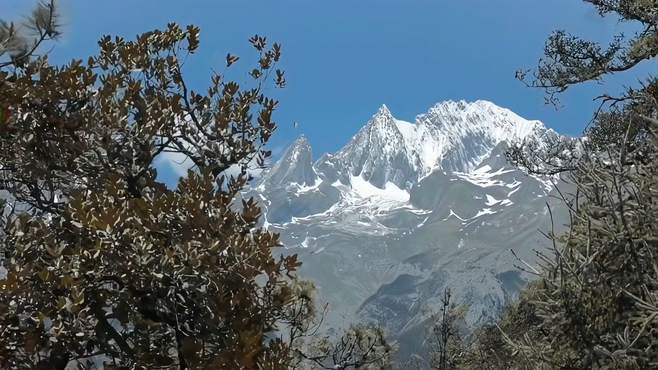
[
  {"x": 446, "y": 341},
  {"x": 570, "y": 60},
  {"x": 595, "y": 302},
  {"x": 600, "y": 281},
  {"x": 359, "y": 347},
  {"x": 488, "y": 347},
  {"x": 104, "y": 263},
  {"x": 20, "y": 42}
]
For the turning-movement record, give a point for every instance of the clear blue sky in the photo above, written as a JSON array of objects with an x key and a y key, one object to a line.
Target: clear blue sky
[{"x": 344, "y": 58}]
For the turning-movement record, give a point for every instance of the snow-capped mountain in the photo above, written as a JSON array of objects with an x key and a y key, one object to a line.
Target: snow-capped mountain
[
  {"x": 406, "y": 209},
  {"x": 452, "y": 136}
]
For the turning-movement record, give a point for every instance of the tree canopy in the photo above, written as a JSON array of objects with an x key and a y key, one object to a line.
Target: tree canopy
[
  {"x": 594, "y": 303},
  {"x": 104, "y": 263}
]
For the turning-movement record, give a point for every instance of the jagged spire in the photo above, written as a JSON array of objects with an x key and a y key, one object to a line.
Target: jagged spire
[
  {"x": 301, "y": 140},
  {"x": 295, "y": 165},
  {"x": 383, "y": 111}
]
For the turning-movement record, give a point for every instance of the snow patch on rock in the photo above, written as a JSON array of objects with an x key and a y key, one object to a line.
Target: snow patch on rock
[{"x": 389, "y": 193}]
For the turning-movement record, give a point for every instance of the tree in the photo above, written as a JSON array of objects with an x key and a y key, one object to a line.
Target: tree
[
  {"x": 488, "y": 347},
  {"x": 570, "y": 60},
  {"x": 18, "y": 43},
  {"x": 359, "y": 347},
  {"x": 596, "y": 296},
  {"x": 446, "y": 342},
  {"x": 105, "y": 264}
]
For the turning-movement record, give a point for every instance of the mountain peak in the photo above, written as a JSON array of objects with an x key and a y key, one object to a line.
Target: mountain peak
[
  {"x": 383, "y": 111},
  {"x": 382, "y": 119},
  {"x": 301, "y": 142},
  {"x": 300, "y": 149},
  {"x": 295, "y": 165},
  {"x": 381, "y": 127},
  {"x": 478, "y": 108},
  {"x": 456, "y": 107}
]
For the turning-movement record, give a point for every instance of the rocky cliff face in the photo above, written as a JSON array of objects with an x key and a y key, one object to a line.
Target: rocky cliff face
[{"x": 406, "y": 209}]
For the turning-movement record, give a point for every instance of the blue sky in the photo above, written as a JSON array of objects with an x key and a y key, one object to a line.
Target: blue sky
[{"x": 344, "y": 58}]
